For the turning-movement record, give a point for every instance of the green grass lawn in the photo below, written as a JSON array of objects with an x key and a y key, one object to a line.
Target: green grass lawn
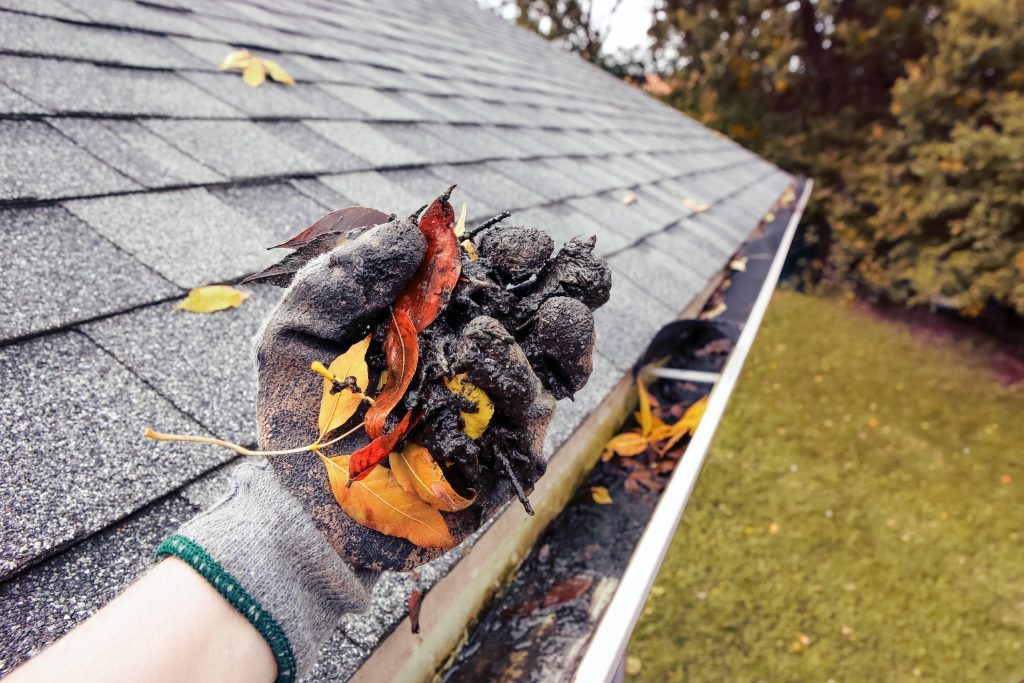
[{"x": 859, "y": 518}]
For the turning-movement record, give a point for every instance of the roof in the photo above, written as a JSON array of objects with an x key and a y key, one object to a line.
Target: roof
[{"x": 133, "y": 170}]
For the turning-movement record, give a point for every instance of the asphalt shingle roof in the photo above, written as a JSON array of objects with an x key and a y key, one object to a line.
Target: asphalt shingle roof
[{"x": 132, "y": 169}]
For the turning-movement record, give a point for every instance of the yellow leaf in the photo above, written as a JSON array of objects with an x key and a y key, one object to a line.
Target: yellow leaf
[
  {"x": 336, "y": 409},
  {"x": 629, "y": 198},
  {"x": 460, "y": 225},
  {"x": 695, "y": 206},
  {"x": 212, "y": 299},
  {"x": 254, "y": 74},
  {"x": 379, "y": 502},
  {"x": 236, "y": 60},
  {"x": 738, "y": 264},
  {"x": 417, "y": 473},
  {"x": 600, "y": 495},
  {"x": 470, "y": 250},
  {"x": 476, "y": 422},
  {"x": 769, "y": 217},
  {"x": 687, "y": 424},
  {"x": 714, "y": 312},
  {"x": 645, "y": 418},
  {"x": 626, "y": 444},
  {"x": 277, "y": 72}
]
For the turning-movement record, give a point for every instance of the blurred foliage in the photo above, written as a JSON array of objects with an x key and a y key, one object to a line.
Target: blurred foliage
[
  {"x": 908, "y": 115},
  {"x": 569, "y": 22},
  {"x": 862, "y": 532}
]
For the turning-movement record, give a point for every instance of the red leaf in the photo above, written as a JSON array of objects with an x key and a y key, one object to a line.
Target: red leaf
[
  {"x": 567, "y": 590},
  {"x": 342, "y": 220},
  {"x": 429, "y": 289},
  {"x": 401, "y": 352},
  {"x": 415, "y": 600},
  {"x": 367, "y": 457}
]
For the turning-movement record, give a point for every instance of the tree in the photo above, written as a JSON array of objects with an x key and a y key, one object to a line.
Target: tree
[{"x": 569, "y": 22}]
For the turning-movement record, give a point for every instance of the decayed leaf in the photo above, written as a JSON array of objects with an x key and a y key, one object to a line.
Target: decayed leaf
[
  {"x": 347, "y": 221},
  {"x": 366, "y": 459},
  {"x": 695, "y": 206},
  {"x": 401, "y": 352},
  {"x": 277, "y": 72},
  {"x": 212, "y": 299},
  {"x": 714, "y": 311},
  {"x": 470, "y": 250},
  {"x": 417, "y": 473},
  {"x": 625, "y": 444},
  {"x": 475, "y": 423},
  {"x": 739, "y": 264},
  {"x": 600, "y": 495},
  {"x": 567, "y": 590},
  {"x": 460, "y": 225},
  {"x": 380, "y": 503},
  {"x": 337, "y": 408},
  {"x": 629, "y": 198}
]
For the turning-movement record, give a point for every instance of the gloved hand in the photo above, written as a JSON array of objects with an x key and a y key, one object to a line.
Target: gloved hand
[{"x": 264, "y": 547}]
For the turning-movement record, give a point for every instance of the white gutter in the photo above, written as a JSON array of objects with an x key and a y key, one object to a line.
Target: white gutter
[{"x": 608, "y": 646}]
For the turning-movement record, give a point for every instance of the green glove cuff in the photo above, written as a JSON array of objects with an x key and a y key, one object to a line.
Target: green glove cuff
[{"x": 193, "y": 554}]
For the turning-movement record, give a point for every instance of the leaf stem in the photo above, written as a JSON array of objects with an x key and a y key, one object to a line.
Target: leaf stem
[{"x": 242, "y": 450}]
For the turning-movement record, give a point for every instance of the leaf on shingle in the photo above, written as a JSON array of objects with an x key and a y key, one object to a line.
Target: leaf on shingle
[
  {"x": 419, "y": 474},
  {"x": 238, "y": 59},
  {"x": 277, "y": 72},
  {"x": 695, "y": 206},
  {"x": 212, "y": 299},
  {"x": 338, "y": 407},
  {"x": 379, "y": 502},
  {"x": 629, "y": 198},
  {"x": 254, "y": 74},
  {"x": 255, "y": 69}
]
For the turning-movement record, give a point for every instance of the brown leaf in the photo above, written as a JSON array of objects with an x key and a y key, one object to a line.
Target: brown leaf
[
  {"x": 415, "y": 600},
  {"x": 569, "y": 589},
  {"x": 401, "y": 351},
  {"x": 350, "y": 221},
  {"x": 336, "y": 409},
  {"x": 418, "y": 473},
  {"x": 380, "y": 503},
  {"x": 718, "y": 347}
]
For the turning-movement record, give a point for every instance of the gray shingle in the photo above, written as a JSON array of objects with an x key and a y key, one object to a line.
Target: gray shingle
[
  {"x": 370, "y": 104},
  {"x": 325, "y": 153},
  {"x": 202, "y": 363},
  {"x": 141, "y": 16},
  {"x": 13, "y": 103},
  {"x": 317, "y": 191},
  {"x": 278, "y": 209},
  {"x": 58, "y": 271},
  {"x": 49, "y": 8},
  {"x": 135, "y": 152},
  {"x": 431, "y": 141},
  {"x": 45, "y": 602},
  {"x": 272, "y": 99},
  {"x": 551, "y": 183},
  {"x": 493, "y": 187},
  {"x": 188, "y": 236},
  {"x": 82, "y": 87},
  {"x": 370, "y": 188},
  {"x": 628, "y": 322},
  {"x": 367, "y": 142},
  {"x": 237, "y": 149},
  {"x": 80, "y": 451},
  {"x": 658, "y": 273},
  {"x": 691, "y": 246},
  {"x": 40, "y": 163}
]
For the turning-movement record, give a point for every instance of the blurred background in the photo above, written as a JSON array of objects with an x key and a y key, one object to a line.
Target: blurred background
[{"x": 860, "y": 515}]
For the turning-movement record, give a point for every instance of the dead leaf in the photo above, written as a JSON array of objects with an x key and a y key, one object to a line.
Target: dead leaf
[
  {"x": 254, "y": 74},
  {"x": 695, "y": 206},
  {"x": 629, "y": 198},
  {"x": 687, "y": 424},
  {"x": 475, "y": 423},
  {"x": 460, "y": 225},
  {"x": 401, "y": 351},
  {"x": 470, "y": 250},
  {"x": 646, "y": 419},
  {"x": 350, "y": 221},
  {"x": 718, "y": 347},
  {"x": 415, "y": 600},
  {"x": 336, "y": 409},
  {"x": 600, "y": 495},
  {"x": 277, "y": 72},
  {"x": 236, "y": 60},
  {"x": 769, "y": 217},
  {"x": 368, "y": 457},
  {"x": 418, "y": 473},
  {"x": 212, "y": 299},
  {"x": 625, "y": 444},
  {"x": 739, "y": 264},
  {"x": 380, "y": 503},
  {"x": 569, "y": 589},
  {"x": 714, "y": 311}
]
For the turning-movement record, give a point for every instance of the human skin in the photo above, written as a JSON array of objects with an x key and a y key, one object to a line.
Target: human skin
[{"x": 168, "y": 626}]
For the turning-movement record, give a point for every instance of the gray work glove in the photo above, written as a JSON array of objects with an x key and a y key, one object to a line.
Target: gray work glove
[{"x": 279, "y": 548}]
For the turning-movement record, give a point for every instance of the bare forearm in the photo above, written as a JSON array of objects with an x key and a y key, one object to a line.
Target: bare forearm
[{"x": 170, "y": 625}]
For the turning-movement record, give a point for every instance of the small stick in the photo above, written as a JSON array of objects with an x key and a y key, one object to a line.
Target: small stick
[
  {"x": 416, "y": 214},
  {"x": 470, "y": 234},
  {"x": 242, "y": 450},
  {"x": 515, "y": 482}
]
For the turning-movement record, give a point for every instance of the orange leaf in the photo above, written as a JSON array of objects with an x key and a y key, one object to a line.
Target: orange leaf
[
  {"x": 336, "y": 409},
  {"x": 416, "y": 471},
  {"x": 600, "y": 495},
  {"x": 401, "y": 351},
  {"x": 627, "y": 443},
  {"x": 645, "y": 418},
  {"x": 687, "y": 424},
  {"x": 380, "y": 503},
  {"x": 366, "y": 458}
]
